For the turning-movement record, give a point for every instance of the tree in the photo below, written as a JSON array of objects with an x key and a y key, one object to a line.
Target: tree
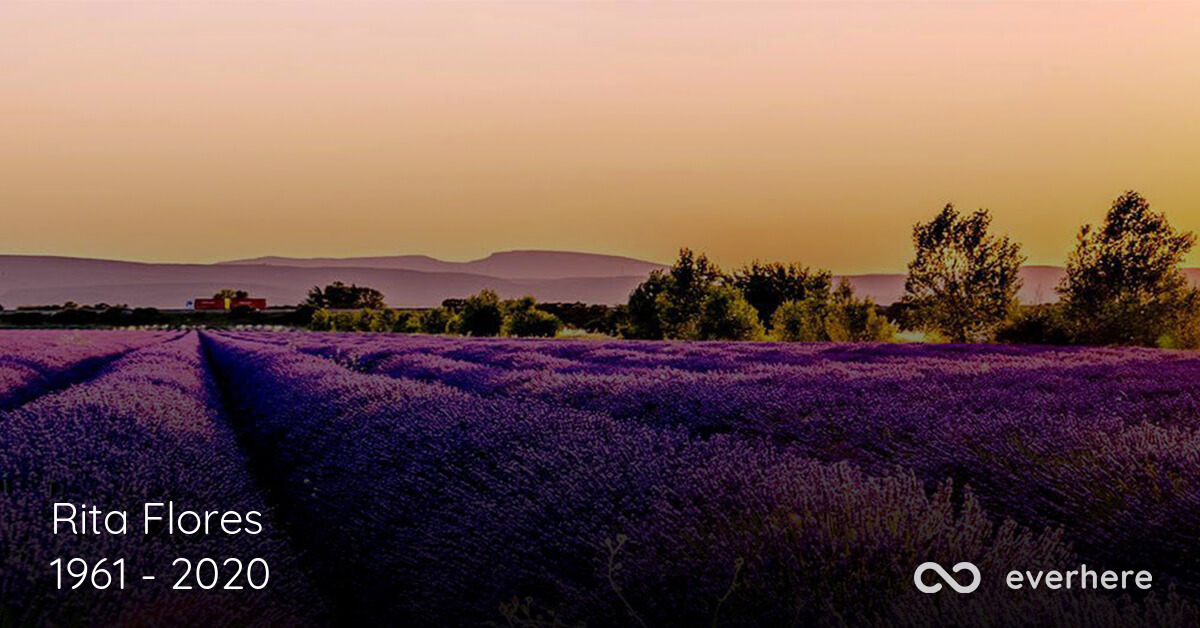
[
  {"x": 591, "y": 317},
  {"x": 843, "y": 317},
  {"x": 480, "y": 316},
  {"x": 523, "y": 319},
  {"x": 1124, "y": 284},
  {"x": 404, "y": 322},
  {"x": 321, "y": 320},
  {"x": 339, "y": 296},
  {"x": 434, "y": 321},
  {"x": 1041, "y": 324},
  {"x": 230, "y": 293},
  {"x": 851, "y": 319},
  {"x": 726, "y": 315},
  {"x": 667, "y": 304},
  {"x": 766, "y": 286},
  {"x": 800, "y": 321},
  {"x": 1186, "y": 332},
  {"x": 643, "y": 308},
  {"x": 963, "y": 280},
  {"x": 688, "y": 285}
]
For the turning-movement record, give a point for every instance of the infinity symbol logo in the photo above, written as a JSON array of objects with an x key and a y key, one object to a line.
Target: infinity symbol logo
[{"x": 946, "y": 577}]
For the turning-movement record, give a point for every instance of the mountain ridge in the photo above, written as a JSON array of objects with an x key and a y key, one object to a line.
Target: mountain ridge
[
  {"x": 48, "y": 279},
  {"x": 566, "y": 276},
  {"x": 515, "y": 264}
]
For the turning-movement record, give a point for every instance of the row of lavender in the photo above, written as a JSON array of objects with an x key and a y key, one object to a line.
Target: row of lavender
[
  {"x": 33, "y": 363},
  {"x": 505, "y": 473},
  {"x": 1101, "y": 441},
  {"x": 456, "y": 497},
  {"x": 147, "y": 425}
]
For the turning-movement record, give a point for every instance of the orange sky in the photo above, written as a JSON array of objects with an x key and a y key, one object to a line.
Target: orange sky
[{"x": 815, "y": 132}]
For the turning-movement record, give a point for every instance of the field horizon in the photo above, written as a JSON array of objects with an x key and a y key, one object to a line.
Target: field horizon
[{"x": 405, "y": 280}]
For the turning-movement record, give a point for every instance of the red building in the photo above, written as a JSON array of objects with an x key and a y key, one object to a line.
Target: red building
[{"x": 228, "y": 304}]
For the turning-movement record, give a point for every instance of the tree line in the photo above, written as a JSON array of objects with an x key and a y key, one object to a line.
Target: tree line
[
  {"x": 1124, "y": 285},
  {"x": 483, "y": 314}
]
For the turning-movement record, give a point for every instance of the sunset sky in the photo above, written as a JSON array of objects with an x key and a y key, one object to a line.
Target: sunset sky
[{"x": 815, "y": 132}]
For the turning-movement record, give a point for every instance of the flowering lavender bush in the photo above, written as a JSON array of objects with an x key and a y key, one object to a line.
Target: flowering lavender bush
[
  {"x": 148, "y": 428},
  {"x": 450, "y": 481},
  {"x": 1101, "y": 441},
  {"x": 500, "y": 482},
  {"x": 33, "y": 362}
]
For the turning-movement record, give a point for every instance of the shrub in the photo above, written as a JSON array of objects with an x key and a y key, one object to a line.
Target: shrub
[
  {"x": 1185, "y": 332},
  {"x": 338, "y": 295},
  {"x": 433, "y": 321},
  {"x": 1037, "y": 324},
  {"x": 523, "y": 319},
  {"x": 850, "y": 319},
  {"x": 405, "y": 322},
  {"x": 799, "y": 321},
  {"x": 766, "y": 286},
  {"x": 481, "y": 315},
  {"x": 688, "y": 287},
  {"x": 726, "y": 315},
  {"x": 643, "y": 323},
  {"x": 841, "y": 318},
  {"x": 322, "y": 320},
  {"x": 668, "y": 304},
  {"x": 591, "y": 317}
]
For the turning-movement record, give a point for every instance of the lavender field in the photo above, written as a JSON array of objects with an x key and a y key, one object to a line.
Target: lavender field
[{"x": 439, "y": 481}]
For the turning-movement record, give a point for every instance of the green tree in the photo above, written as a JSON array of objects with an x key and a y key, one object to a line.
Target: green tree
[
  {"x": 1186, "y": 332},
  {"x": 230, "y": 293},
  {"x": 643, "y": 308},
  {"x": 339, "y": 296},
  {"x": 322, "y": 320},
  {"x": 800, "y": 321},
  {"x": 667, "y": 304},
  {"x": 1040, "y": 324},
  {"x": 1124, "y": 284},
  {"x": 481, "y": 315},
  {"x": 405, "y": 322},
  {"x": 768, "y": 285},
  {"x": 842, "y": 317},
  {"x": 851, "y": 319},
  {"x": 963, "y": 280},
  {"x": 688, "y": 285},
  {"x": 522, "y": 318},
  {"x": 434, "y": 321},
  {"x": 726, "y": 315}
]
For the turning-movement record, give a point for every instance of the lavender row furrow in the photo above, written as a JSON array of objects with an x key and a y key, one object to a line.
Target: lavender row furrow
[
  {"x": 148, "y": 428},
  {"x": 447, "y": 503},
  {"x": 33, "y": 363},
  {"x": 1102, "y": 441}
]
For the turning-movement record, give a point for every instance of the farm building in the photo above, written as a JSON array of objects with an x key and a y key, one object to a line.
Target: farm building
[{"x": 228, "y": 304}]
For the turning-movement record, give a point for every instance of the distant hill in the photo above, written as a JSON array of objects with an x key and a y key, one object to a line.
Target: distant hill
[
  {"x": 507, "y": 264},
  {"x": 550, "y": 276},
  {"x": 406, "y": 281}
]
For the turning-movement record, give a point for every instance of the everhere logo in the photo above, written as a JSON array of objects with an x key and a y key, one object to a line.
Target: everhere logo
[
  {"x": 1082, "y": 578},
  {"x": 946, "y": 577}
]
